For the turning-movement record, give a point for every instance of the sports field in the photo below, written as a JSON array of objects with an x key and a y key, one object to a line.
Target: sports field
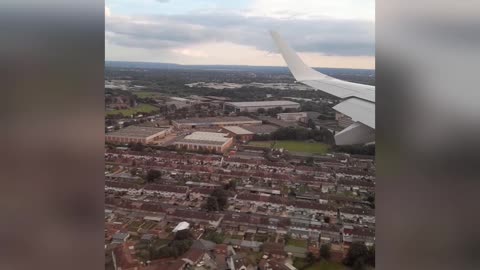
[
  {"x": 141, "y": 108},
  {"x": 295, "y": 146}
]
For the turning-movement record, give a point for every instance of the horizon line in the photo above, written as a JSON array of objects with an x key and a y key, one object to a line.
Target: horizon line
[{"x": 240, "y": 65}]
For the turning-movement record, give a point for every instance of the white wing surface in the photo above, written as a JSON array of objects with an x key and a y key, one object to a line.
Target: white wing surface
[{"x": 358, "y": 100}]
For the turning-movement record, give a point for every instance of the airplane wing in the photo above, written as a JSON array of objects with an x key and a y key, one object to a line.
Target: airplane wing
[{"x": 358, "y": 100}]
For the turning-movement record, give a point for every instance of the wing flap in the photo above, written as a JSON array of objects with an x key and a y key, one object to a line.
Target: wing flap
[
  {"x": 359, "y": 110},
  {"x": 356, "y": 133}
]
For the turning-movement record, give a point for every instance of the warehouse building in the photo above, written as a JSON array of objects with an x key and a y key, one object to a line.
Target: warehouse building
[
  {"x": 205, "y": 141},
  {"x": 137, "y": 134},
  {"x": 254, "y": 106},
  {"x": 208, "y": 122},
  {"x": 240, "y": 134}
]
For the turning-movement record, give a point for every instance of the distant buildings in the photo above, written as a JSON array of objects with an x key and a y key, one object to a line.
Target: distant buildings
[
  {"x": 261, "y": 129},
  {"x": 210, "y": 141},
  {"x": 291, "y": 117},
  {"x": 254, "y": 106},
  {"x": 208, "y": 122},
  {"x": 136, "y": 134}
]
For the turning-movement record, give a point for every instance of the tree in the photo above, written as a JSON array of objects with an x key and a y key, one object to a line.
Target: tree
[
  {"x": 368, "y": 150},
  {"x": 212, "y": 204},
  {"x": 287, "y": 238},
  {"x": 137, "y": 147},
  {"x": 153, "y": 175},
  {"x": 311, "y": 124},
  {"x": 371, "y": 200},
  {"x": 371, "y": 256},
  {"x": 325, "y": 251},
  {"x": 326, "y": 219},
  {"x": 231, "y": 185},
  {"x": 309, "y": 161},
  {"x": 172, "y": 107},
  {"x": 357, "y": 252},
  {"x": 183, "y": 235},
  {"x": 133, "y": 171},
  {"x": 310, "y": 259},
  {"x": 261, "y": 111},
  {"x": 359, "y": 264},
  {"x": 215, "y": 237},
  {"x": 221, "y": 197}
]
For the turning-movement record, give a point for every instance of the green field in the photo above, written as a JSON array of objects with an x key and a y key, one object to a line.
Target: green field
[
  {"x": 322, "y": 265},
  {"x": 146, "y": 94},
  {"x": 141, "y": 108},
  {"x": 297, "y": 243},
  {"x": 295, "y": 146}
]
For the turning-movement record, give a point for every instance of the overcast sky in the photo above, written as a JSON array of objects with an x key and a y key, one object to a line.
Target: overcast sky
[{"x": 333, "y": 33}]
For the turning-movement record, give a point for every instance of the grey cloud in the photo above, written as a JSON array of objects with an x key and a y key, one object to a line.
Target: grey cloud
[{"x": 328, "y": 36}]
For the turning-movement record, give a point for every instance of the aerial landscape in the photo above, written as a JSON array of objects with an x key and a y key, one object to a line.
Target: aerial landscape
[{"x": 235, "y": 166}]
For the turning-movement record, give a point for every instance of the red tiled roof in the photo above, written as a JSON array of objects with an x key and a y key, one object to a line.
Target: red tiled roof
[
  {"x": 124, "y": 258},
  {"x": 194, "y": 255}
]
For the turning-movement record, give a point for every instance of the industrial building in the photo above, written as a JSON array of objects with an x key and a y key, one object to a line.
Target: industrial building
[
  {"x": 239, "y": 133},
  {"x": 211, "y": 141},
  {"x": 208, "y": 122},
  {"x": 137, "y": 134},
  {"x": 254, "y": 106},
  {"x": 292, "y": 117}
]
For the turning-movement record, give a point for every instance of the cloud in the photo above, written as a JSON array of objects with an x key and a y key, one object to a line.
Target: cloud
[
  {"x": 191, "y": 53},
  {"x": 107, "y": 11},
  {"x": 327, "y": 36},
  {"x": 308, "y": 9}
]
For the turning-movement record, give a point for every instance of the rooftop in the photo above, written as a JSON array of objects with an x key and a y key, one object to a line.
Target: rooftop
[
  {"x": 212, "y": 120},
  {"x": 263, "y": 103},
  {"x": 181, "y": 226},
  {"x": 238, "y": 130},
  {"x": 136, "y": 131},
  {"x": 207, "y": 136}
]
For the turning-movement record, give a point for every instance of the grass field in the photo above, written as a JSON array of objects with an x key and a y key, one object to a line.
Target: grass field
[
  {"x": 295, "y": 146},
  {"x": 297, "y": 243},
  {"x": 322, "y": 265},
  {"x": 141, "y": 108}
]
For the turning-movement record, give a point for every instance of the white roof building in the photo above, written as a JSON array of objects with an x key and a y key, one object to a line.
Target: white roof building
[
  {"x": 238, "y": 130},
  {"x": 207, "y": 136},
  {"x": 181, "y": 226},
  {"x": 199, "y": 140},
  {"x": 253, "y": 106}
]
